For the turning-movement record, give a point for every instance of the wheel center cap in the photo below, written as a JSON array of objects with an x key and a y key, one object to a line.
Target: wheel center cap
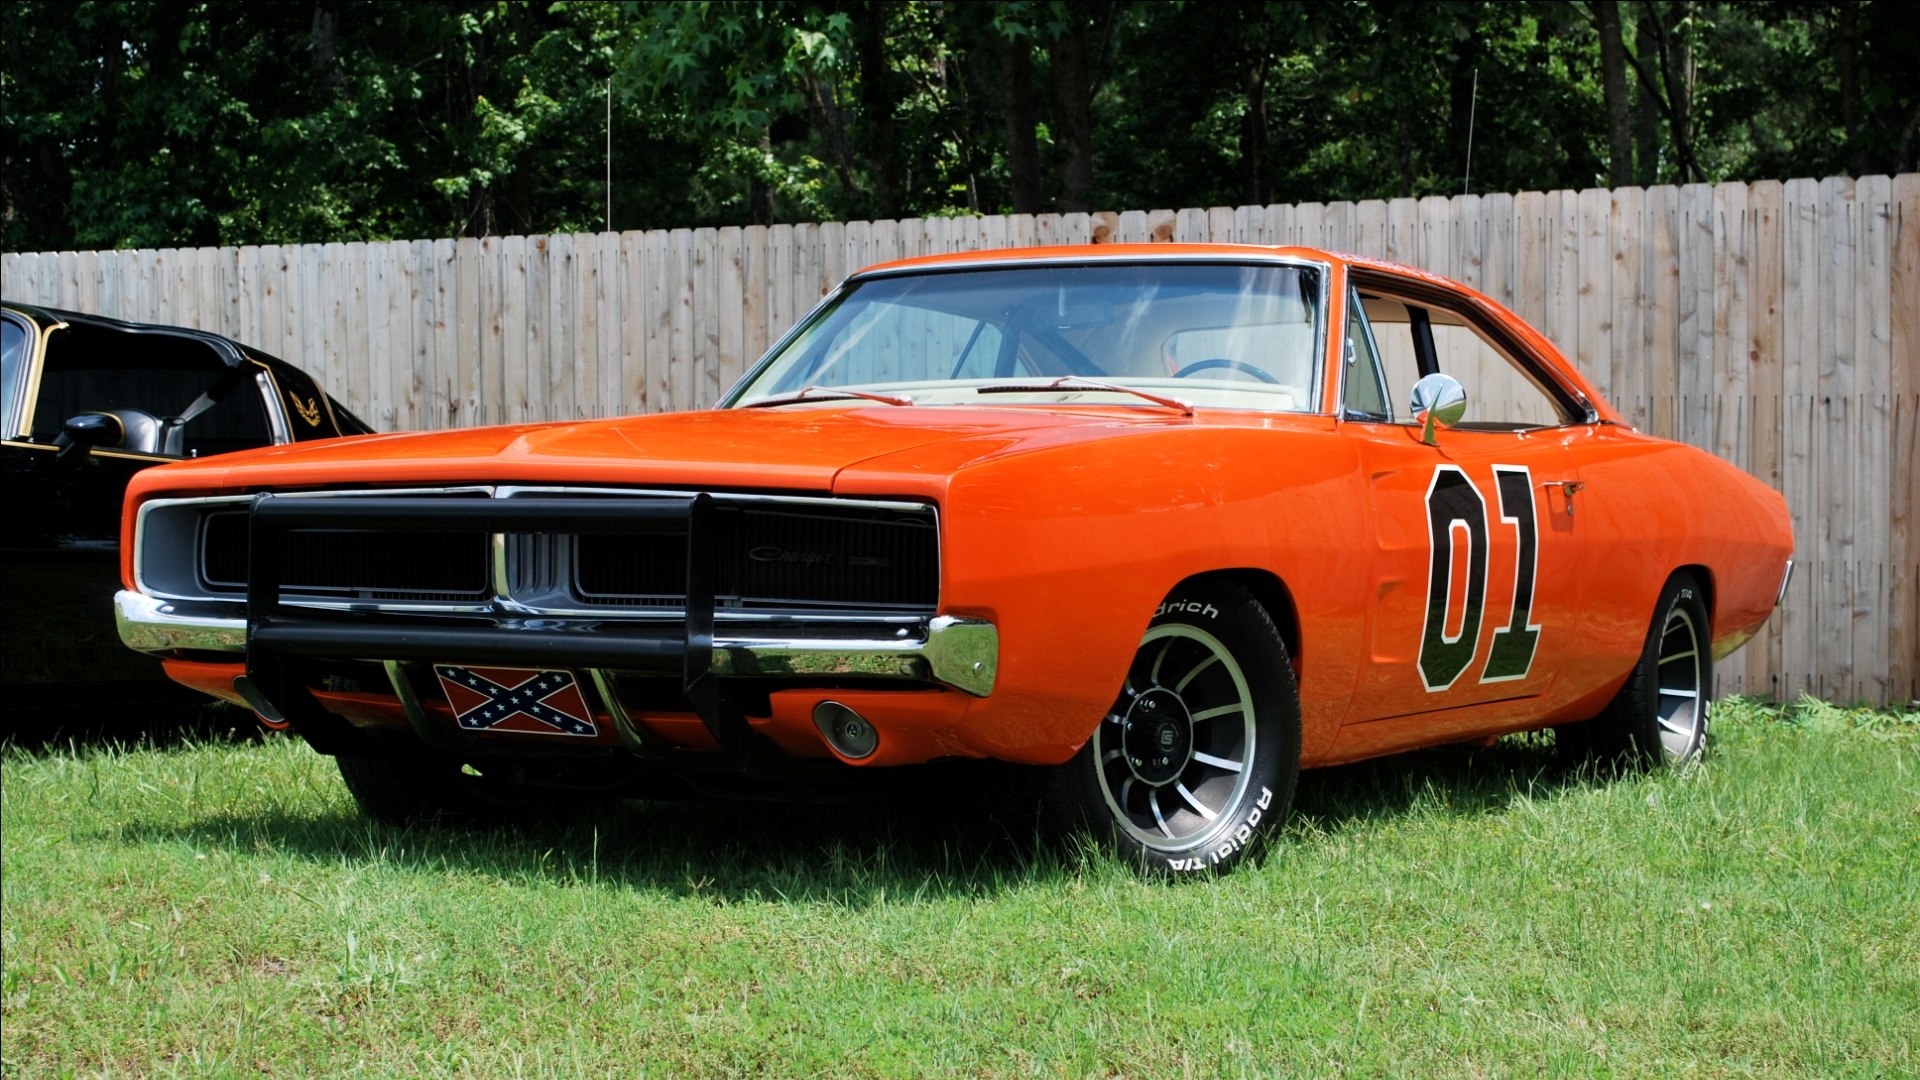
[{"x": 1159, "y": 737}]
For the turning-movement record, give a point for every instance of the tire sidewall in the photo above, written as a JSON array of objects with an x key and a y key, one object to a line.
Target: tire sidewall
[{"x": 1682, "y": 593}]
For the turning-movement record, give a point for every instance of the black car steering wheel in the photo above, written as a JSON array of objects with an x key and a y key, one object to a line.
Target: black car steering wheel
[{"x": 1231, "y": 365}]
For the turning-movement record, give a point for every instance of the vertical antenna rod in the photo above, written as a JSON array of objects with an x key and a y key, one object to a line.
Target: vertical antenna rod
[{"x": 1473, "y": 105}]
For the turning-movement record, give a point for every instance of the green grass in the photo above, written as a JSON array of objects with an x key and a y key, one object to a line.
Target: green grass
[{"x": 218, "y": 907}]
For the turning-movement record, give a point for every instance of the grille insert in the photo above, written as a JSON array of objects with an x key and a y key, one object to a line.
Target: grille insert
[{"x": 767, "y": 556}]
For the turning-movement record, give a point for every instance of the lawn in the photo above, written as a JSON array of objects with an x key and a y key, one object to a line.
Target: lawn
[{"x": 216, "y": 906}]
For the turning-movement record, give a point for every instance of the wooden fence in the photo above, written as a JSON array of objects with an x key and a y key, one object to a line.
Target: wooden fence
[{"x": 1776, "y": 324}]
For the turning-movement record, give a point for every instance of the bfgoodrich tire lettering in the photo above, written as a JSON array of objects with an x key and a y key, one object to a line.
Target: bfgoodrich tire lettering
[{"x": 1197, "y": 759}]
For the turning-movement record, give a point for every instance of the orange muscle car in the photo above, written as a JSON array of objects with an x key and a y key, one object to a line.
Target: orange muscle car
[{"x": 1170, "y": 523}]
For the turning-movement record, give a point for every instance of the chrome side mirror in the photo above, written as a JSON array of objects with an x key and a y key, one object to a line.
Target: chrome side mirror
[{"x": 1439, "y": 401}]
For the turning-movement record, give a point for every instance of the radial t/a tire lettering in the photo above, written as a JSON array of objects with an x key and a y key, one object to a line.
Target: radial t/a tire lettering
[{"x": 1196, "y": 761}]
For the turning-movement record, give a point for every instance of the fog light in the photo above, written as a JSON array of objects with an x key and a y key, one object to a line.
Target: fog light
[{"x": 845, "y": 730}]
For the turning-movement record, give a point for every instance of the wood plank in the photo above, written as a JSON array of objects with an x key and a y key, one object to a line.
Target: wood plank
[
  {"x": 583, "y": 360},
  {"x": 556, "y": 397},
  {"x": 1903, "y": 496},
  {"x": 1873, "y": 375},
  {"x": 1732, "y": 397},
  {"x": 1469, "y": 239},
  {"x": 88, "y": 272},
  {"x": 1800, "y": 367},
  {"x": 1434, "y": 242},
  {"x": 1839, "y": 242},
  {"x": 1249, "y": 225},
  {"x": 780, "y": 304},
  {"x": 1624, "y": 379},
  {"x": 463, "y": 389},
  {"x": 705, "y": 386},
  {"x": 630, "y": 296},
  {"x": 1499, "y": 248},
  {"x": 1219, "y": 227},
  {"x": 608, "y": 375},
  {"x": 1694, "y": 333},
  {"x": 1563, "y": 263},
  {"x": 1762, "y": 348},
  {"x": 733, "y": 268},
  {"x": 1730, "y": 392},
  {"x": 516, "y": 331},
  {"x": 1661, "y": 327},
  {"x": 373, "y": 337},
  {"x": 1532, "y": 257},
  {"x": 1339, "y": 225},
  {"x": 1592, "y": 340},
  {"x": 658, "y": 321},
  {"x": 680, "y": 320},
  {"x": 1282, "y": 231},
  {"x": 417, "y": 380}
]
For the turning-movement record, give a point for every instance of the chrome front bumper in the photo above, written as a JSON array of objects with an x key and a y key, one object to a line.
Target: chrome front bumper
[{"x": 961, "y": 653}]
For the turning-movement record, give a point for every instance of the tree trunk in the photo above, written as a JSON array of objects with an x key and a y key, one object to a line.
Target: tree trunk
[
  {"x": 1403, "y": 139},
  {"x": 1845, "y": 59},
  {"x": 1022, "y": 116},
  {"x": 1676, "y": 72},
  {"x": 1073, "y": 113},
  {"x": 1256, "y": 171},
  {"x": 1613, "y": 70},
  {"x": 1646, "y": 113},
  {"x": 877, "y": 98}
]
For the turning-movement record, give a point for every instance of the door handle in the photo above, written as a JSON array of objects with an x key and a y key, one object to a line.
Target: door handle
[{"x": 1568, "y": 488}]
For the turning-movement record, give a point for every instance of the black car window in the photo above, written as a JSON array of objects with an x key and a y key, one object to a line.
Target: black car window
[
  {"x": 88, "y": 369},
  {"x": 13, "y": 355}
]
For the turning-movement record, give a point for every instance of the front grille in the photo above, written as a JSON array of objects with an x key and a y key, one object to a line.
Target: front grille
[
  {"x": 785, "y": 557},
  {"x": 398, "y": 565},
  {"x": 768, "y": 555}
]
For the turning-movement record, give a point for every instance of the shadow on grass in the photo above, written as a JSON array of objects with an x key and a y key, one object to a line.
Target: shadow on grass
[
  {"x": 1454, "y": 781},
  {"x": 937, "y": 843},
  {"x": 164, "y": 726}
]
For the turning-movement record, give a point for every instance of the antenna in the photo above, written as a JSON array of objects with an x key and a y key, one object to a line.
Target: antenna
[
  {"x": 1473, "y": 105},
  {"x": 610, "y": 152}
]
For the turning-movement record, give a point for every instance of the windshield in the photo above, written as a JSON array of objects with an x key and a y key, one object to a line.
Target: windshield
[{"x": 1214, "y": 334}]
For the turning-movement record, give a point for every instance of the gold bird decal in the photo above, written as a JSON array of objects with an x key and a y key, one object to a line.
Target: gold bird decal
[{"x": 309, "y": 409}]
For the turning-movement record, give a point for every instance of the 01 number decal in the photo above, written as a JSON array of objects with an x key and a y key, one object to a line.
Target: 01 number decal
[{"x": 1457, "y": 514}]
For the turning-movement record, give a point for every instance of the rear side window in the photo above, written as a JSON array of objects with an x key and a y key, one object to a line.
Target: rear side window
[{"x": 92, "y": 370}]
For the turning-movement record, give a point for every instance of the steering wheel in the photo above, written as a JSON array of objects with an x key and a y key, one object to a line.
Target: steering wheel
[{"x": 1261, "y": 374}]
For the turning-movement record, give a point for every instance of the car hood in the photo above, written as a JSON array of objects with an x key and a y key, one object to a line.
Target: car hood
[{"x": 796, "y": 448}]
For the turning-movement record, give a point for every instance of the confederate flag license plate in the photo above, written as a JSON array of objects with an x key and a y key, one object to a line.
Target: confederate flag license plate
[{"x": 524, "y": 700}]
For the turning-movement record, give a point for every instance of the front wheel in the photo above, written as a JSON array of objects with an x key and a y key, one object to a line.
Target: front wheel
[
  {"x": 1660, "y": 714},
  {"x": 1198, "y": 757}
]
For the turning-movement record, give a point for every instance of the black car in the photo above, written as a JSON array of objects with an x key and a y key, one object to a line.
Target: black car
[{"x": 87, "y": 402}]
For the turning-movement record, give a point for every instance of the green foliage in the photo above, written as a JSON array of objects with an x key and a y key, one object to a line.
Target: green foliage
[{"x": 132, "y": 123}]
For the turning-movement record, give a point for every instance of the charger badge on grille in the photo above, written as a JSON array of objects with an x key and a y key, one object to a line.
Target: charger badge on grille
[{"x": 522, "y": 700}]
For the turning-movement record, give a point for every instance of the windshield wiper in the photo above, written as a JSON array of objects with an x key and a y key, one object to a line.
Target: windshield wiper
[
  {"x": 825, "y": 393},
  {"x": 1075, "y": 382}
]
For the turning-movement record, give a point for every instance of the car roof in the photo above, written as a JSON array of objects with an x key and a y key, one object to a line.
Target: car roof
[
  {"x": 1106, "y": 252},
  {"x": 232, "y": 352}
]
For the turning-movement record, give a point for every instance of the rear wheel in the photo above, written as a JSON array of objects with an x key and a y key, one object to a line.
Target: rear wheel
[
  {"x": 1661, "y": 714},
  {"x": 1197, "y": 759}
]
